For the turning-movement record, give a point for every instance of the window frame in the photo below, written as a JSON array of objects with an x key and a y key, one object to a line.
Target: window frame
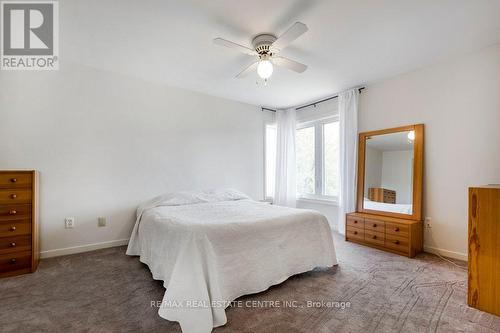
[{"x": 319, "y": 161}]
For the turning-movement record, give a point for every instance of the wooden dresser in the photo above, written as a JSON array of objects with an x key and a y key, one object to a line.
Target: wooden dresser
[
  {"x": 381, "y": 195},
  {"x": 19, "y": 252},
  {"x": 385, "y": 233},
  {"x": 484, "y": 248}
]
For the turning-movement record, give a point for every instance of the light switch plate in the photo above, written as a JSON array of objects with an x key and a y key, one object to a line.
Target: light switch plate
[{"x": 101, "y": 221}]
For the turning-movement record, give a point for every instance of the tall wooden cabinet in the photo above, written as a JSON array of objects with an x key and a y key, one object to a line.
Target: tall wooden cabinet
[
  {"x": 484, "y": 248},
  {"x": 19, "y": 251}
]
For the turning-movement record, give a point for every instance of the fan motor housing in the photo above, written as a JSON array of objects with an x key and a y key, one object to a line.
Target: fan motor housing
[{"x": 262, "y": 43}]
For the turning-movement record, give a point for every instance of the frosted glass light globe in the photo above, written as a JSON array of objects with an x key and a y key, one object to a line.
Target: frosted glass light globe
[
  {"x": 265, "y": 69},
  {"x": 411, "y": 135}
]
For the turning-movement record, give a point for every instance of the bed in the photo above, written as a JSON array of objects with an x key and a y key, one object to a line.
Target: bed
[
  {"x": 388, "y": 207},
  {"x": 211, "y": 247}
]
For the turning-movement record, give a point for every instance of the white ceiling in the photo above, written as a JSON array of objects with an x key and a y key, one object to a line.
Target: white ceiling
[{"x": 349, "y": 43}]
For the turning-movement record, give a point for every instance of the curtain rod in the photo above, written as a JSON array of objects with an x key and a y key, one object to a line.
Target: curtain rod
[{"x": 311, "y": 104}]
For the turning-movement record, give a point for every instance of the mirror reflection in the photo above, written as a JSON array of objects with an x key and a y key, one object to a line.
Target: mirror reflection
[{"x": 389, "y": 172}]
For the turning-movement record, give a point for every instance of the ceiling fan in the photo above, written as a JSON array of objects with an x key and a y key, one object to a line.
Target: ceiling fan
[{"x": 266, "y": 48}]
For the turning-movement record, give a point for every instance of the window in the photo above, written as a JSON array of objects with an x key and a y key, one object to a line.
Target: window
[
  {"x": 270, "y": 159},
  {"x": 317, "y": 156},
  {"x": 317, "y": 153},
  {"x": 305, "y": 159},
  {"x": 331, "y": 154}
]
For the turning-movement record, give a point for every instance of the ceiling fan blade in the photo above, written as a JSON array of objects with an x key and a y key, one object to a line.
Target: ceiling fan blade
[
  {"x": 294, "y": 32},
  {"x": 290, "y": 64},
  {"x": 251, "y": 68},
  {"x": 237, "y": 47}
]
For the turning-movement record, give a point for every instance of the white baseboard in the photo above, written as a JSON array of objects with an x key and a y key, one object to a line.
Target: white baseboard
[
  {"x": 82, "y": 248},
  {"x": 121, "y": 242},
  {"x": 446, "y": 253}
]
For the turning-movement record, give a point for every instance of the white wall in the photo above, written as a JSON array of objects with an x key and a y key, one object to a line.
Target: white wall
[
  {"x": 103, "y": 143},
  {"x": 459, "y": 103},
  {"x": 373, "y": 169},
  {"x": 397, "y": 174},
  {"x": 321, "y": 111}
]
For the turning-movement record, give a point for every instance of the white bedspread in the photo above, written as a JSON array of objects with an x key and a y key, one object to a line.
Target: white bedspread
[
  {"x": 388, "y": 207},
  {"x": 211, "y": 253}
]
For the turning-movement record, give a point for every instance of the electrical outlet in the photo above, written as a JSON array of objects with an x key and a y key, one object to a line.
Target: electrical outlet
[
  {"x": 69, "y": 222},
  {"x": 101, "y": 221},
  {"x": 428, "y": 223}
]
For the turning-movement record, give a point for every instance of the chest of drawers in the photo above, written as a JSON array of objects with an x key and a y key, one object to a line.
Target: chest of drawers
[
  {"x": 19, "y": 251},
  {"x": 385, "y": 233},
  {"x": 381, "y": 195}
]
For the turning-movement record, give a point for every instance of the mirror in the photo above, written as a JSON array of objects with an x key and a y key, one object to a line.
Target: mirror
[{"x": 390, "y": 172}]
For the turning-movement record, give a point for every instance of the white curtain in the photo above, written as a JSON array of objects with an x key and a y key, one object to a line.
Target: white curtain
[
  {"x": 348, "y": 121},
  {"x": 285, "y": 188}
]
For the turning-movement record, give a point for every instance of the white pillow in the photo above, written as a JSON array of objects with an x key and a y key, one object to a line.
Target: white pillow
[
  {"x": 192, "y": 197},
  {"x": 224, "y": 194}
]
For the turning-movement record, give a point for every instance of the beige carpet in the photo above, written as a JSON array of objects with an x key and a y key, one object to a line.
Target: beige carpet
[{"x": 107, "y": 291}]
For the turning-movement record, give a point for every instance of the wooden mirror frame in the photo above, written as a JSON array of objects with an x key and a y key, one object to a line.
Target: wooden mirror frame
[{"x": 418, "y": 162}]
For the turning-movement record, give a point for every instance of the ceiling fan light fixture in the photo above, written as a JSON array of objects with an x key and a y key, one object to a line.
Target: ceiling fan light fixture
[
  {"x": 265, "y": 69},
  {"x": 266, "y": 48}
]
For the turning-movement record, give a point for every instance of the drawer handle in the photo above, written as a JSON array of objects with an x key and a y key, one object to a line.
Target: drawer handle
[
  {"x": 12, "y": 244},
  {"x": 396, "y": 229},
  {"x": 13, "y": 261},
  {"x": 396, "y": 242},
  {"x": 12, "y": 212},
  {"x": 374, "y": 225},
  {"x": 13, "y": 196},
  {"x": 374, "y": 237},
  {"x": 355, "y": 221},
  {"x": 13, "y": 180},
  {"x": 355, "y": 232},
  {"x": 13, "y": 228}
]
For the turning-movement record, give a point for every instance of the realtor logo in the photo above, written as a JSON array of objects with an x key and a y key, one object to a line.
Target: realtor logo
[{"x": 30, "y": 35}]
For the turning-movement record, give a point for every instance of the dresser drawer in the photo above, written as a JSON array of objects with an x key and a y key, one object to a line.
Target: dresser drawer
[
  {"x": 15, "y": 179},
  {"x": 14, "y": 211},
  {"x": 375, "y": 225},
  {"x": 355, "y": 222},
  {"x": 397, "y": 229},
  {"x": 396, "y": 242},
  {"x": 15, "y": 244},
  {"x": 14, "y": 196},
  {"x": 374, "y": 237},
  {"x": 15, "y": 228},
  {"x": 355, "y": 233},
  {"x": 14, "y": 261}
]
